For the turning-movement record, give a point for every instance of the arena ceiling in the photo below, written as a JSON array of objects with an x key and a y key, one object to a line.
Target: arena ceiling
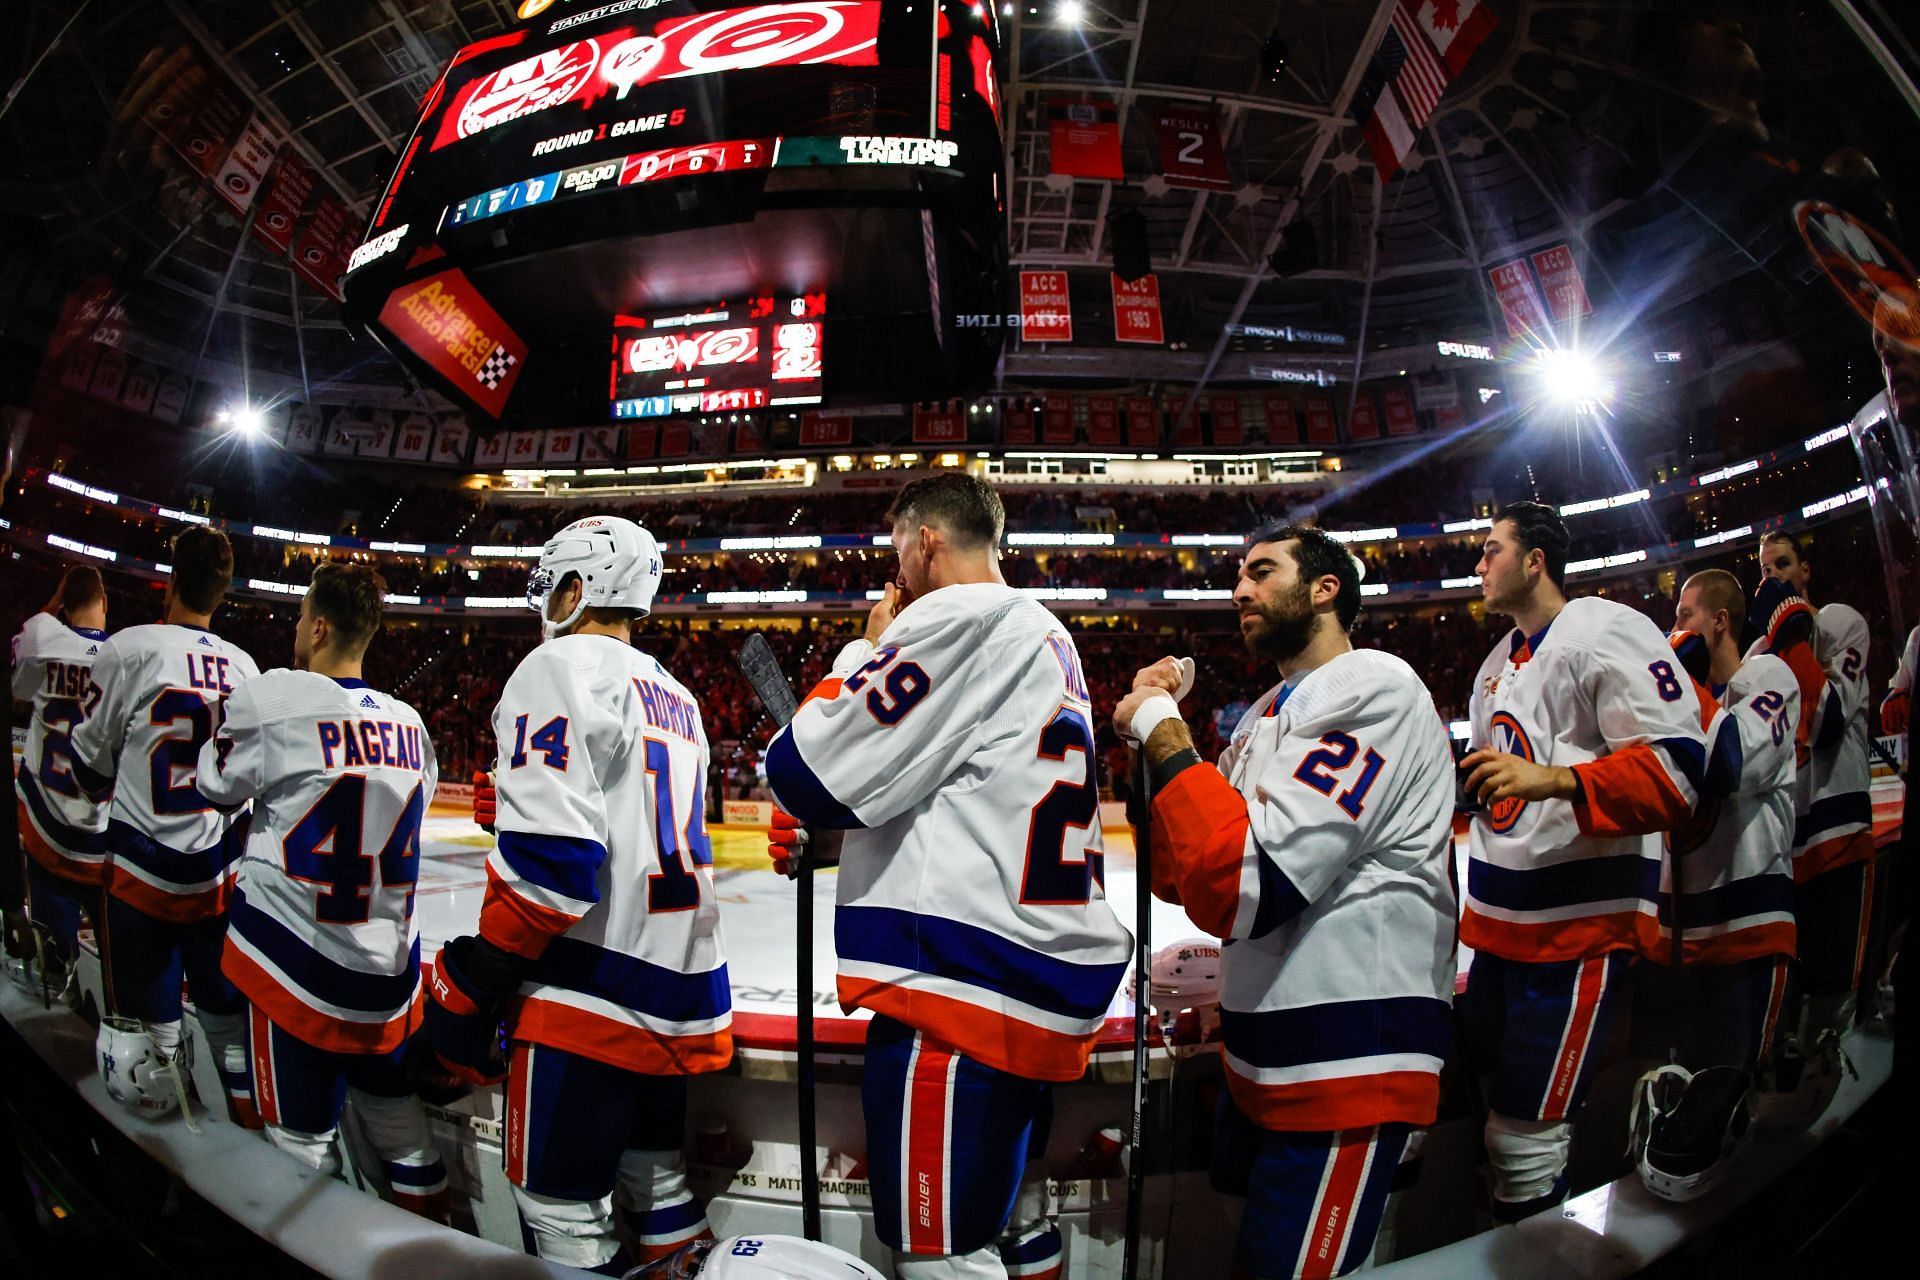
[{"x": 1557, "y": 131}]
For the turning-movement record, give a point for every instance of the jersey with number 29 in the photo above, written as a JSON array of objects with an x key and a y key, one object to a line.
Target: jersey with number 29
[
  {"x": 972, "y": 900},
  {"x": 321, "y": 934},
  {"x": 602, "y": 875},
  {"x": 167, "y": 844}
]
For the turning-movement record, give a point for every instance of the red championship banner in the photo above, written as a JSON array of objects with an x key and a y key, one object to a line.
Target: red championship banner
[
  {"x": 1190, "y": 150},
  {"x": 1084, "y": 139},
  {"x": 1103, "y": 420},
  {"x": 1519, "y": 302},
  {"x": 1282, "y": 426},
  {"x": 318, "y": 254},
  {"x": 286, "y": 199},
  {"x": 749, "y": 437},
  {"x": 824, "y": 430},
  {"x": 444, "y": 320},
  {"x": 1400, "y": 419},
  {"x": 1136, "y": 310},
  {"x": 1017, "y": 427},
  {"x": 1365, "y": 424},
  {"x": 1056, "y": 419},
  {"x": 943, "y": 425},
  {"x": 643, "y": 441},
  {"x": 1560, "y": 280},
  {"x": 218, "y": 113},
  {"x": 1320, "y": 424},
  {"x": 675, "y": 439},
  {"x": 245, "y": 168},
  {"x": 1225, "y": 411},
  {"x": 1046, "y": 307},
  {"x": 1186, "y": 431},
  {"x": 1143, "y": 423}
]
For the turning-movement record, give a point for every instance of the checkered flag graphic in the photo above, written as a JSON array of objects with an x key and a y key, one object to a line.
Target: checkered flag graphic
[{"x": 496, "y": 368}]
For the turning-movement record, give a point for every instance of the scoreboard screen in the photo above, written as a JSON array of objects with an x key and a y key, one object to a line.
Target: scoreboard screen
[
  {"x": 764, "y": 354},
  {"x": 606, "y": 163}
]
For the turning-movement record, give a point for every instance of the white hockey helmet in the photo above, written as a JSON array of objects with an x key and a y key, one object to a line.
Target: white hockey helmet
[
  {"x": 617, "y": 560},
  {"x": 757, "y": 1258},
  {"x": 1694, "y": 1126},
  {"x": 1183, "y": 976},
  {"x": 137, "y": 1075}
]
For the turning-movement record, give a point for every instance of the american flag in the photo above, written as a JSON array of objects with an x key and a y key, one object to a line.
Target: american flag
[{"x": 1410, "y": 71}]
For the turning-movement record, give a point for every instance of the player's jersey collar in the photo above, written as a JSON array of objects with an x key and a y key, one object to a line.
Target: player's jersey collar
[
  {"x": 349, "y": 682},
  {"x": 1523, "y": 647},
  {"x": 87, "y": 632}
]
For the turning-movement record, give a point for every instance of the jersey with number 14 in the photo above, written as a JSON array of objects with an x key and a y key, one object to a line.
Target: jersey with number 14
[
  {"x": 64, "y": 829},
  {"x": 1596, "y": 691},
  {"x": 972, "y": 900},
  {"x": 602, "y": 875},
  {"x": 169, "y": 855},
  {"x": 321, "y": 934}
]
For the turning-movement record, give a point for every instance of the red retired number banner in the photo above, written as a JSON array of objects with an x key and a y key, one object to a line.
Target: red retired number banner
[
  {"x": 444, "y": 320},
  {"x": 1190, "y": 151},
  {"x": 1364, "y": 425},
  {"x": 1321, "y": 428},
  {"x": 1225, "y": 411}
]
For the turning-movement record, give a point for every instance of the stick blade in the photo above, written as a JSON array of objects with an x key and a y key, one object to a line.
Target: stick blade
[{"x": 762, "y": 670}]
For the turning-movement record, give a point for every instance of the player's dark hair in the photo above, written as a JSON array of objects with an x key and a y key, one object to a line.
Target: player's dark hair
[
  {"x": 80, "y": 586},
  {"x": 1318, "y": 554},
  {"x": 1540, "y": 528},
  {"x": 350, "y": 597},
  {"x": 965, "y": 506},
  {"x": 1791, "y": 539},
  {"x": 202, "y": 568},
  {"x": 1720, "y": 590}
]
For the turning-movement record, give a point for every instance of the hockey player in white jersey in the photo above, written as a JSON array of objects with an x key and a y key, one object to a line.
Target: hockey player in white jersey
[
  {"x": 954, "y": 746},
  {"x": 321, "y": 935},
  {"x": 599, "y": 943},
  {"x": 64, "y": 830},
  {"x": 1896, "y": 709},
  {"x": 1321, "y": 847},
  {"x": 1587, "y": 745},
  {"x": 1833, "y": 850},
  {"x": 170, "y": 850}
]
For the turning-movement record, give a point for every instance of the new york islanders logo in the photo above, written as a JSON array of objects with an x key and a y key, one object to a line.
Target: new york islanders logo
[{"x": 1505, "y": 733}]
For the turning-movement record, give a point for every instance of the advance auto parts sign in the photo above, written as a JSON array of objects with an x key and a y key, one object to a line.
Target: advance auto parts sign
[
  {"x": 841, "y": 32},
  {"x": 444, "y": 320}
]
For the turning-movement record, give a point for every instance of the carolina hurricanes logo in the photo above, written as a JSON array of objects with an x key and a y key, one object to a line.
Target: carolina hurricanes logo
[
  {"x": 532, "y": 84},
  {"x": 1506, "y": 734}
]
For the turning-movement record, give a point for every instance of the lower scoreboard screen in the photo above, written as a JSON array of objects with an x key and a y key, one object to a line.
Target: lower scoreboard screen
[{"x": 763, "y": 353}]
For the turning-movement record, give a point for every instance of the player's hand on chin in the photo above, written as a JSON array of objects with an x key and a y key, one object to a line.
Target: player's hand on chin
[
  {"x": 1495, "y": 775},
  {"x": 893, "y": 598}
]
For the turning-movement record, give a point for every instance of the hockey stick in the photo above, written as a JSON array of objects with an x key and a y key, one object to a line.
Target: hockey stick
[
  {"x": 762, "y": 671},
  {"x": 1142, "y": 982}
]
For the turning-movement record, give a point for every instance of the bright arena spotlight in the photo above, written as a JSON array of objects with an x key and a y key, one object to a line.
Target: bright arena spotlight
[{"x": 1571, "y": 379}]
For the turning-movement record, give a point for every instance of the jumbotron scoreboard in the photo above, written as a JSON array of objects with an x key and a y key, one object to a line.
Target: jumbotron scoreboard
[{"x": 639, "y": 208}]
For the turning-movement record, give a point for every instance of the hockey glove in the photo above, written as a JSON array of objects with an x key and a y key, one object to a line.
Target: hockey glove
[
  {"x": 787, "y": 841},
  {"x": 483, "y": 800},
  {"x": 1894, "y": 712},
  {"x": 1693, "y": 654},
  {"x": 1781, "y": 617},
  {"x": 466, "y": 1009}
]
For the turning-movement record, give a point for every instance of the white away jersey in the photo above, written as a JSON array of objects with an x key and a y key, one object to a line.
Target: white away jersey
[
  {"x": 1833, "y": 799},
  {"x": 1735, "y": 859},
  {"x": 972, "y": 904},
  {"x": 1321, "y": 851},
  {"x": 168, "y": 850},
  {"x": 321, "y": 933},
  {"x": 63, "y": 828},
  {"x": 1598, "y": 692},
  {"x": 603, "y": 872}
]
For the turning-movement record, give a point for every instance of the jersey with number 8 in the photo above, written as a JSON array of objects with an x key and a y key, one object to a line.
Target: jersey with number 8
[
  {"x": 321, "y": 934},
  {"x": 602, "y": 874},
  {"x": 972, "y": 903}
]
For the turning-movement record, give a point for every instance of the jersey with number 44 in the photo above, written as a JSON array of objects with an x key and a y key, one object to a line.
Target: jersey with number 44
[
  {"x": 169, "y": 855},
  {"x": 602, "y": 874},
  {"x": 63, "y": 828},
  {"x": 1596, "y": 692},
  {"x": 972, "y": 902},
  {"x": 321, "y": 933}
]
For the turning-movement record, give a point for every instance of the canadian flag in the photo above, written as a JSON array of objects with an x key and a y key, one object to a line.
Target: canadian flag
[{"x": 1456, "y": 28}]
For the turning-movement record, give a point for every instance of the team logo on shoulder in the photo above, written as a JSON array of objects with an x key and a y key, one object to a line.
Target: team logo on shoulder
[{"x": 1505, "y": 733}]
